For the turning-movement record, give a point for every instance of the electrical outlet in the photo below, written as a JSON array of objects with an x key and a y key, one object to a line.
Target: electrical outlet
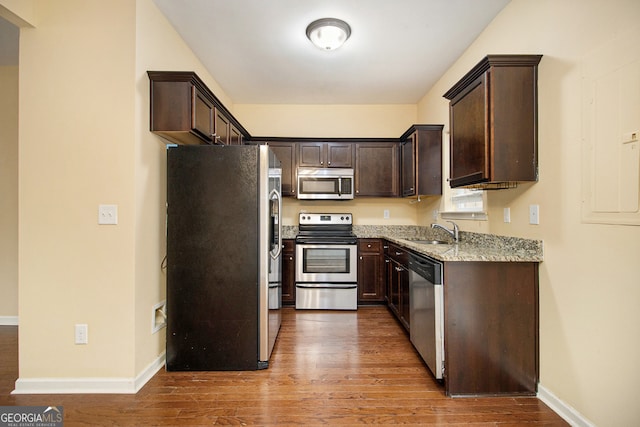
[
  {"x": 108, "y": 214},
  {"x": 82, "y": 334},
  {"x": 158, "y": 317},
  {"x": 507, "y": 215},
  {"x": 385, "y": 214},
  {"x": 534, "y": 214}
]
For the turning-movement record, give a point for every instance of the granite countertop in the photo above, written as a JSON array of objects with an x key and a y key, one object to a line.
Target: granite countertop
[{"x": 472, "y": 246}]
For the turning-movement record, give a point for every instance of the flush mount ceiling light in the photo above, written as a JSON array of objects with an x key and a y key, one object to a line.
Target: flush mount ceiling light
[{"x": 328, "y": 33}]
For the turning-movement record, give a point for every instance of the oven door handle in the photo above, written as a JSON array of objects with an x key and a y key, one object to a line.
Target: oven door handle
[{"x": 324, "y": 286}]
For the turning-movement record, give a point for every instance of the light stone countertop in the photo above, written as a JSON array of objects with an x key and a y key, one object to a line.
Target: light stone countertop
[{"x": 472, "y": 246}]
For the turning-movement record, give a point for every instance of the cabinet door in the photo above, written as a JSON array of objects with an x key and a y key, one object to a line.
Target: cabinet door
[
  {"x": 491, "y": 342},
  {"x": 312, "y": 154},
  {"x": 376, "y": 171},
  {"x": 393, "y": 286},
  {"x": 286, "y": 153},
  {"x": 288, "y": 272},
  {"x": 325, "y": 154},
  {"x": 235, "y": 136},
  {"x": 202, "y": 116},
  {"x": 222, "y": 126},
  {"x": 404, "y": 309},
  {"x": 428, "y": 160},
  {"x": 409, "y": 166},
  {"x": 371, "y": 272},
  {"x": 339, "y": 155},
  {"x": 469, "y": 146}
]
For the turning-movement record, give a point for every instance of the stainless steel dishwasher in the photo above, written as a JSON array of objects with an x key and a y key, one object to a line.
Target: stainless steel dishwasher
[{"x": 426, "y": 305}]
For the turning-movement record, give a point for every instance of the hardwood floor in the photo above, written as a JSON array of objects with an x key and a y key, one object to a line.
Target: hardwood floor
[{"x": 328, "y": 368}]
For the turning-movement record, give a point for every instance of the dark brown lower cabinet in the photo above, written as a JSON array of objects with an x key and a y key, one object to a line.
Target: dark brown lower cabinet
[
  {"x": 371, "y": 272},
  {"x": 491, "y": 328},
  {"x": 288, "y": 272},
  {"x": 396, "y": 259}
]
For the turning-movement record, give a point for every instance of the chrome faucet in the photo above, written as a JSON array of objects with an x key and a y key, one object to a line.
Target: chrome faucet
[{"x": 455, "y": 232}]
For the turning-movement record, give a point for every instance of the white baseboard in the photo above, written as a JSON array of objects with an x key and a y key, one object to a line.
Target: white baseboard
[
  {"x": 567, "y": 412},
  {"x": 89, "y": 385},
  {"x": 8, "y": 320}
]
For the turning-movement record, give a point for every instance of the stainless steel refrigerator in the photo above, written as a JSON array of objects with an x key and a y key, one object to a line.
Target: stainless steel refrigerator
[{"x": 224, "y": 274}]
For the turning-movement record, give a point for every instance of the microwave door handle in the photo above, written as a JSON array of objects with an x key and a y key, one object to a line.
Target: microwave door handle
[{"x": 340, "y": 186}]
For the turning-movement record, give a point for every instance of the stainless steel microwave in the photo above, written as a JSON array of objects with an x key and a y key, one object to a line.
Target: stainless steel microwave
[{"x": 325, "y": 184}]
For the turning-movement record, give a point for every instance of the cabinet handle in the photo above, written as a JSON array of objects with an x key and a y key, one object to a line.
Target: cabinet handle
[
  {"x": 328, "y": 163},
  {"x": 368, "y": 245},
  {"x": 360, "y": 257},
  {"x": 398, "y": 253},
  {"x": 321, "y": 162},
  {"x": 290, "y": 258}
]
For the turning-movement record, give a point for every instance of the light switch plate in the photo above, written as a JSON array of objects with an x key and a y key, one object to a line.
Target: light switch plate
[
  {"x": 534, "y": 214},
  {"x": 507, "y": 215},
  {"x": 82, "y": 334},
  {"x": 108, "y": 214}
]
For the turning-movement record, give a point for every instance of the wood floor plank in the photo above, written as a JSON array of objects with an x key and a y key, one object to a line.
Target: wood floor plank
[{"x": 328, "y": 368}]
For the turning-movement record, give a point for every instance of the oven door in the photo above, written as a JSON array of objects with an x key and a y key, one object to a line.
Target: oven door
[{"x": 326, "y": 263}]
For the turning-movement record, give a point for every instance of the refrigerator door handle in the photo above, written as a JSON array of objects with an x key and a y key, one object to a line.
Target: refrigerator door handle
[{"x": 274, "y": 195}]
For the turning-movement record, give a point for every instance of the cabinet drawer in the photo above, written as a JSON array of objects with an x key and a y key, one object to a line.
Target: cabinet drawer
[
  {"x": 370, "y": 245},
  {"x": 397, "y": 253}
]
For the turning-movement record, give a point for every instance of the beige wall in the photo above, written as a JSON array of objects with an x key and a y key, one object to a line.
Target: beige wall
[
  {"x": 75, "y": 152},
  {"x": 346, "y": 121},
  {"x": 9, "y": 191},
  {"x": 589, "y": 317},
  {"x": 366, "y": 211},
  {"x": 84, "y": 141}
]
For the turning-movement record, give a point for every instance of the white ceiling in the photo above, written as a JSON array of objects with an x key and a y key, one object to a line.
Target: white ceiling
[{"x": 258, "y": 52}]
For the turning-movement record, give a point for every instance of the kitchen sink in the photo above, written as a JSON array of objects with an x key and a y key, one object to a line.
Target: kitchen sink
[{"x": 430, "y": 242}]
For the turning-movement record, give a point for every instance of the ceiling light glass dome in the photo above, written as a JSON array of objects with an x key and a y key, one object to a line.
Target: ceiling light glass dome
[{"x": 328, "y": 33}]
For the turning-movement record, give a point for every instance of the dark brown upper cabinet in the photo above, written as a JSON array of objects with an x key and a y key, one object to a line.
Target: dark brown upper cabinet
[
  {"x": 224, "y": 130},
  {"x": 493, "y": 119},
  {"x": 185, "y": 111},
  {"x": 325, "y": 154},
  {"x": 286, "y": 153},
  {"x": 221, "y": 128},
  {"x": 422, "y": 161},
  {"x": 376, "y": 172}
]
